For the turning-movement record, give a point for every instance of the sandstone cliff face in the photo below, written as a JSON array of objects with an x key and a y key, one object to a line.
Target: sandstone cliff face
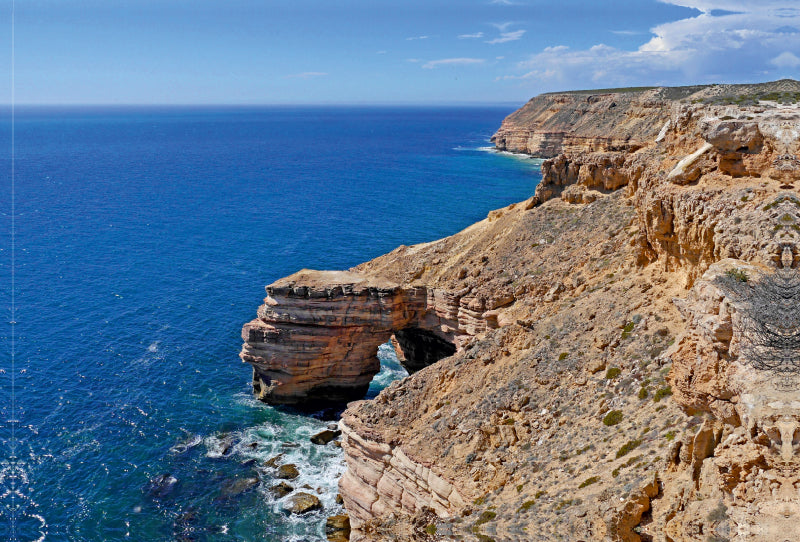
[
  {"x": 586, "y": 367},
  {"x": 317, "y": 334}
]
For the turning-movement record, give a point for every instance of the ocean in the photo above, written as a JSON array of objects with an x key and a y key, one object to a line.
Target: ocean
[{"x": 144, "y": 237}]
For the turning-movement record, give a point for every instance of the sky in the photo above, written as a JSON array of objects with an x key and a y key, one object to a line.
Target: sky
[{"x": 381, "y": 51}]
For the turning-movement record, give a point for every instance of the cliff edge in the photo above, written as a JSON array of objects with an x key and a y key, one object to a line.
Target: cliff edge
[{"x": 612, "y": 359}]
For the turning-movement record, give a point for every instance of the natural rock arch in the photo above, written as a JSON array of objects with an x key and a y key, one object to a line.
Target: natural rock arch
[{"x": 317, "y": 334}]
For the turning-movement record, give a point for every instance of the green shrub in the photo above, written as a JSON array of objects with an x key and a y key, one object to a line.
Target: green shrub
[
  {"x": 737, "y": 274},
  {"x": 670, "y": 435},
  {"x": 589, "y": 481},
  {"x": 613, "y": 372},
  {"x": 643, "y": 393},
  {"x": 628, "y": 447},
  {"x": 628, "y": 327},
  {"x": 661, "y": 393},
  {"x": 486, "y": 517},
  {"x": 562, "y": 356},
  {"x": 526, "y": 506},
  {"x": 627, "y": 330},
  {"x": 567, "y": 502},
  {"x": 613, "y": 417},
  {"x": 430, "y": 529}
]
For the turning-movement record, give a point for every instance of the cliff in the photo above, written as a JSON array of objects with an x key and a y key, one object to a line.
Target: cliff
[{"x": 587, "y": 364}]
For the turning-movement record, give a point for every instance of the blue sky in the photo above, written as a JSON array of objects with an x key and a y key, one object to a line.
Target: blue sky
[{"x": 374, "y": 51}]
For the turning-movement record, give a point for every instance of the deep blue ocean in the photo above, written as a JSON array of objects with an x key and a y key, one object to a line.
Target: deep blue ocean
[{"x": 144, "y": 239}]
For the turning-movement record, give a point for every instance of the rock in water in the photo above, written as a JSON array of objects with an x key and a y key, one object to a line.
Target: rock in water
[
  {"x": 281, "y": 490},
  {"x": 288, "y": 472},
  {"x": 337, "y": 528},
  {"x": 302, "y": 503},
  {"x": 273, "y": 461},
  {"x": 235, "y": 487},
  {"x": 324, "y": 437},
  {"x": 161, "y": 486}
]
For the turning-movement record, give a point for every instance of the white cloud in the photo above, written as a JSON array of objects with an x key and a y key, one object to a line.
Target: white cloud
[
  {"x": 417, "y": 38},
  {"x": 785, "y": 60},
  {"x": 504, "y": 2},
  {"x": 507, "y": 36},
  {"x": 502, "y": 27},
  {"x": 730, "y": 41},
  {"x": 468, "y": 36},
  {"x": 736, "y": 6},
  {"x": 306, "y": 75},
  {"x": 452, "y": 62},
  {"x": 381, "y": 52},
  {"x": 627, "y": 32}
]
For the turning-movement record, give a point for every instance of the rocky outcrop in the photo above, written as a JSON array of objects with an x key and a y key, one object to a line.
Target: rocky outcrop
[
  {"x": 584, "y": 363},
  {"x": 382, "y": 480},
  {"x": 317, "y": 334},
  {"x": 570, "y": 122}
]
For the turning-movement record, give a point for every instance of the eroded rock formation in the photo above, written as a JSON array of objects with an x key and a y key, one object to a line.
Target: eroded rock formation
[
  {"x": 317, "y": 334},
  {"x": 585, "y": 369}
]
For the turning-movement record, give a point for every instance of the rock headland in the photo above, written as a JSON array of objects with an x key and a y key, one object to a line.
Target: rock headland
[{"x": 613, "y": 359}]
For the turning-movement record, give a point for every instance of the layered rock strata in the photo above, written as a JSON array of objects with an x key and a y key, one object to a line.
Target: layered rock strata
[
  {"x": 598, "y": 373},
  {"x": 317, "y": 334}
]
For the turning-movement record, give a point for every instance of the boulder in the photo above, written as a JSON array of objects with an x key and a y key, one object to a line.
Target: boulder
[
  {"x": 288, "y": 472},
  {"x": 734, "y": 136},
  {"x": 237, "y": 486},
  {"x": 302, "y": 503},
  {"x": 273, "y": 461},
  {"x": 281, "y": 490},
  {"x": 324, "y": 437},
  {"x": 337, "y": 528},
  {"x": 161, "y": 486}
]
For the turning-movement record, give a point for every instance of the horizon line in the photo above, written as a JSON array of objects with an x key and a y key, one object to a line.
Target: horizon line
[{"x": 454, "y": 103}]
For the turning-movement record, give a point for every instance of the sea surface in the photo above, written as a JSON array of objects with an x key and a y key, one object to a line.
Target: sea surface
[{"x": 143, "y": 241}]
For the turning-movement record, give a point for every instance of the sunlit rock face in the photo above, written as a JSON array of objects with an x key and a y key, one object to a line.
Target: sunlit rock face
[
  {"x": 739, "y": 362},
  {"x": 317, "y": 334},
  {"x": 663, "y": 242}
]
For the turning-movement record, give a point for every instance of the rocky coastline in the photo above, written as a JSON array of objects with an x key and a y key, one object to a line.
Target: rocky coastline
[{"x": 582, "y": 364}]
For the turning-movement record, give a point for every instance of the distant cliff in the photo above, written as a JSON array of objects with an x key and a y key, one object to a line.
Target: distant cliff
[{"x": 583, "y": 362}]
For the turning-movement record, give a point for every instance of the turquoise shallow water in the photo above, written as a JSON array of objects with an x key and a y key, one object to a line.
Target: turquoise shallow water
[{"x": 144, "y": 238}]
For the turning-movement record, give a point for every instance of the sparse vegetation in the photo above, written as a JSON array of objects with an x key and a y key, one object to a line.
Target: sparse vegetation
[
  {"x": 670, "y": 435},
  {"x": 628, "y": 447},
  {"x": 567, "y": 502},
  {"x": 526, "y": 506},
  {"x": 486, "y": 517},
  {"x": 612, "y": 418},
  {"x": 661, "y": 393},
  {"x": 562, "y": 356},
  {"x": 589, "y": 481},
  {"x": 430, "y": 529},
  {"x": 643, "y": 393},
  {"x": 627, "y": 330},
  {"x": 613, "y": 372},
  {"x": 737, "y": 274}
]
